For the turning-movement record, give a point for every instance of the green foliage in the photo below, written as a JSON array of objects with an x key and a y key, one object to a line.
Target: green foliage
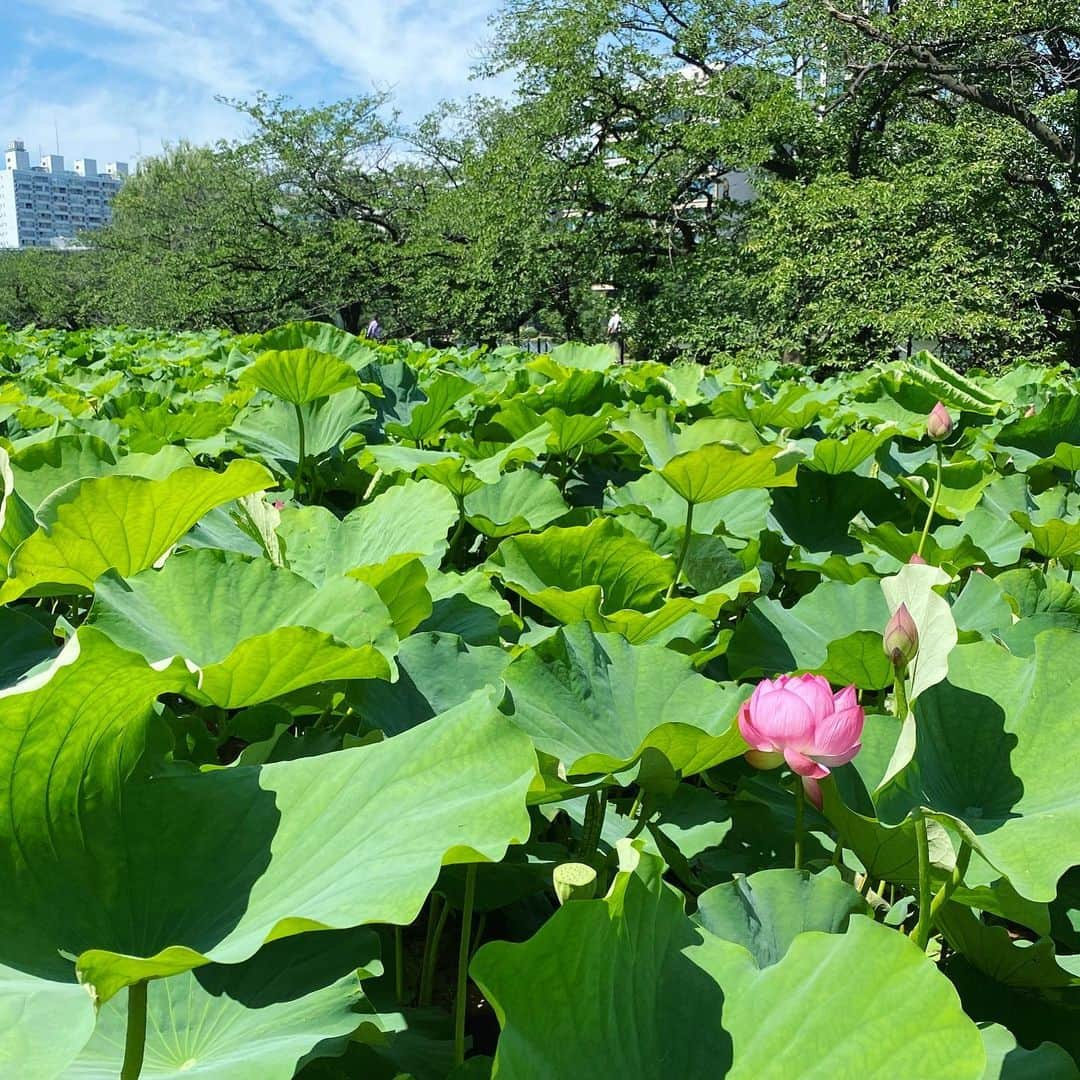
[{"x": 289, "y": 774}]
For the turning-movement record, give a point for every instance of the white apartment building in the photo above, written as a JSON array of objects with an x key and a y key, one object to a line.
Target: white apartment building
[{"x": 45, "y": 205}]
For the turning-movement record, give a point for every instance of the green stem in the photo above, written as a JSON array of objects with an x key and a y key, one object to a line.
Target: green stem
[
  {"x": 933, "y": 502},
  {"x": 437, "y": 912},
  {"x": 900, "y": 694},
  {"x": 399, "y": 967},
  {"x": 944, "y": 894},
  {"x": 682, "y": 551},
  {"x": 135, "y": 1040},
  {"x": 302, "y": 449},
  {"x": 463, "y": 964},
  {"x": 459, "y": 528},
  {"x": 921, "y": 934},
  {"x": 800, "y": 801}
]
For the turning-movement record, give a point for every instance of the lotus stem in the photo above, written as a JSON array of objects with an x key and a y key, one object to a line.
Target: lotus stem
[
  {"x": 944, "y": 894},
  {"x": 900, "y": 694},
  {"x": 399, "y": 967},
  {"x": 135, "y": 1039},
  {"x": 463, "y": 964},
  {"x": 459, "y": 528},
  {"x": 437, "y": 912},
  {"x": 682, "y": 551},
  {"x": 933, "y": 502},
  {"x": 301, "y": 449},
  {"x": 921, "y": 934},
  {"x": 800, "y": 805}
]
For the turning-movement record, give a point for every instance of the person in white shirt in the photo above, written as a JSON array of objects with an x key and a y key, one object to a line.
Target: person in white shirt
[{"x": 614, "y": 329}]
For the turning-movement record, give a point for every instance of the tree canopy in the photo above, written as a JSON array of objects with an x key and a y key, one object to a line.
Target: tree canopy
[{"x": 831, "y": 180}]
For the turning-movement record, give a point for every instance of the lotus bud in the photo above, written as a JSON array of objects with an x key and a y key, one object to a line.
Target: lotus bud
[
  {"x": 939, "y": 424},
  {"x": 1030, "y": 412},
  {"x": 574, "y": 881},
  {"x": 917, "y": 560},
  {"x": 901, "y": 638}
]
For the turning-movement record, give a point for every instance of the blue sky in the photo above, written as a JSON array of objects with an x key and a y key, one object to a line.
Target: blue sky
[{"x": 117, "y": 75}]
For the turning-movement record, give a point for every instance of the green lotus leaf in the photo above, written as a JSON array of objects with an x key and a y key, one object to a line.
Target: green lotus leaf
[
  {"x": 741, "y": 514},
  {"x": 1053, "y": 538},
  {"x": 428, "y": 418},
  {"x": 816, "y": 514},
  {"x": 518, "y": 502},
  {"x": 272, "y": 630},
  {"x": 299, "y": 375},
  {"x": 584, "y": 572},
  {"x": 963, "y": 484},
  {"x": 320, "y": 337},
  {"x": 569, "y": 432},
  {"x": 271, "y": 432},
  {"x": 16, "y": 517},
  {"x": 843, "y": 455},
  {"x": 437, "y": 672},
  {"x": 294, "y": 1000},
  {"x": 951, "y": 388},
  {"x": 121, "y": 523},
  {"x": 712, "y": 471},
  {"x": 1038, "y": 437},
  {"x": 401, "y": 583},
  {"x": 27, "y": 643},
  {"x": 1006, "y": 1060},
  {"x": 136, "y": 875},
  {"x": 43, "y": 1025},
  {"x": 649, "y": 986},
  {"x": 771, "y": 639},
  {"x": 766, "y": 911},
  {"x": 571, "y": 354},
  {"x": 857, "y": 659},
  {"x": 466, "y": 605},
  {"x": 982, "y": 608},
  {"x": 412, "y": 519},
  {"x": 994, "y": 752},
  {"x": 596, "y": 703},
  {"x": 993, "y": 951},
  {"x": 914, "y": 586},
  {"x": 659, "y": 442}
]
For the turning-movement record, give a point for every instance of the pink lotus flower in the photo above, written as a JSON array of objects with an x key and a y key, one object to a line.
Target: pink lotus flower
[
  {"x": 278, "y": 504},
  {"x": 917, "y": 560},
  {"x": 939, "y": 424},
  {"x": 798, "y": 719}
]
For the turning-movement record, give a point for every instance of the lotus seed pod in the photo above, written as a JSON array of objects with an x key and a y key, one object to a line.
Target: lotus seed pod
[
  {"x": 574, "y": 881},
  {"x": 939, "y": 424},
  {"x": 901, "y": 638}
]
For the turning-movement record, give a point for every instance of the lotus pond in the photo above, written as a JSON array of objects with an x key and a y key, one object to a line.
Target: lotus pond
[{"x": 389, "y": 712}]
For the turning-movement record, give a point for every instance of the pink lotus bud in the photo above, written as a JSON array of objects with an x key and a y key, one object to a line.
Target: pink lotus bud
[
  {"x": 917, "y": 560},
  {"x": 901, "y": 638},
  {"x": 1030, "y": 412},
  {"x": 939, "y": 423},
  {"x": 800, "y": 718}
]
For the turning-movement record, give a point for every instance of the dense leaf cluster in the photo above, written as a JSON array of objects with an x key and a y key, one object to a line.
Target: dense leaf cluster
[{"x": 292, "y": 741}]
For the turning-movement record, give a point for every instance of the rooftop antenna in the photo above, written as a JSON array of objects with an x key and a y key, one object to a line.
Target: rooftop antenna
[{"x": 56, "y": 129}]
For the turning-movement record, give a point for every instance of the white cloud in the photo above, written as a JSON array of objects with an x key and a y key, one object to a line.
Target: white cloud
[{"x": 117, "y": 74}]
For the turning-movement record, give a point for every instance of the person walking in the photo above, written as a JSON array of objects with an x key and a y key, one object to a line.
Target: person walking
[
  {"x": 614, "y": 329},
  {"x": 374, "y": 330}
]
